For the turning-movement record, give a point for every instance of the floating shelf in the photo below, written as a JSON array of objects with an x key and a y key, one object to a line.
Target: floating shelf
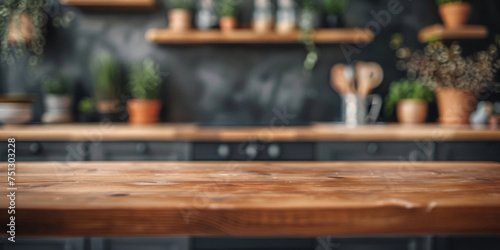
[
  {"x": 112, "y": 4},
  {"x": 439, "y": 32},
  {"x": 247, "y": 36}
]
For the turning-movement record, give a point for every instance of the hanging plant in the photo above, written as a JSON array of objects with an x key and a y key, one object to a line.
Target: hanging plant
[
  {"x": 308, "y": 24},
  {"x": 23, "y": 27}
]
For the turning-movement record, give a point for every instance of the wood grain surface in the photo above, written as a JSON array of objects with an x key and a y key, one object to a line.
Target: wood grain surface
[
  {"x": 166, "y": 36},
  {"x": 439, "y": 32},
  {"x": 191, "y": 132},
  {"x": 254, "y": 199},
  {"x": 112, "y": 4}
]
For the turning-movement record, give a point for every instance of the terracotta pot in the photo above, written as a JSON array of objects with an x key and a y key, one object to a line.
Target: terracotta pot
[
  {"x": 455, "y": 105},
  {"x": 455, "y": 15},
  {"x": 228, "y": 23},
  {"x": 143, "y": 111},
  {"x": 179, "y": 20},
  {"x": 107, "y": 106},
  {"x": 412, "y": 111},
  {"x": 21, "y": 28},
  {"x": 494, "y": 121}
]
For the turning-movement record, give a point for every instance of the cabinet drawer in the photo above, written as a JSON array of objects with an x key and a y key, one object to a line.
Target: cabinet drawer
[
  {"x": 376, "y": 151},
  {"x": 47, "y": 151},
  {"x": 45, "y": 244},
  {"x": 167, "y": 243},
  {"x": 469, "y": 151},
  {"x": 139, "y": 151}
]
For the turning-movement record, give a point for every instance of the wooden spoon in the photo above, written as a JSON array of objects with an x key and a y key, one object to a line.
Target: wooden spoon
[
  {"x": 369, "y": 76},
  {"x": 342, "y": 79}
]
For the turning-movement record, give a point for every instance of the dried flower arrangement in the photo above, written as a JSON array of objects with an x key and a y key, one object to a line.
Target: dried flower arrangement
[{"x": 440, "y": 66}]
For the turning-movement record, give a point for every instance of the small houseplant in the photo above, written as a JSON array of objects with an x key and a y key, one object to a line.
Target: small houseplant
[
  {"x": 410, "y": 97},
  {"x": 228, "y": 20},
  {"x": 106, "y": 72},
  {"x": 57, "y": 100},
  {"x": 334, "y": 9},
  {"x": 86, "y": 110},
  {"x": 22, "y": 26},
  {"x": 145, "y": 85},
  {"x": 179, "y": 15},
  {"x": 455, "y": 13},
  {"x": 456, "y": 80}
]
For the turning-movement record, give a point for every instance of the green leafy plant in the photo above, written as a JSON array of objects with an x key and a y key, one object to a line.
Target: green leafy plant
[
  {"x": 145, "y": 81},
  {"x": 307, "y": 24},
  {"x": 440, "y": 2},
  {"x": 86, "y": 106},
  {"x": 179, "y": 4},
  {"x": 228, "y": 8},
  {"x": 406, "y": 89},
  {"x": 335, "y": 7},
  {"x": 106, "y": 72},
  {"x": 56, "y": 86}
]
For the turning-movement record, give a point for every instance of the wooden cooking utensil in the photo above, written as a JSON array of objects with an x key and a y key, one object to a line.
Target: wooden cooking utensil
[
  {"x": 342, "y": 79},
  {"x": 369, "y": 76}
]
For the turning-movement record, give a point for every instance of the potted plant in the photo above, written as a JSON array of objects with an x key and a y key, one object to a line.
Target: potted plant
[
  {"x": 86, "y": 110},
  {"x": 455, "y": 13},
  {"x": 228, "y": 21},
  {"x": 106, "y": 72},
  {"x": 457, "y": 80},
  {"x": 145, "y": 84},
  {"x": 334, "y": 9},
  {"x": 57, "y": 100},
  {"x": 308, "y": 16},
  {"x": 410, "y": 97},
  {"x": 22, "y": 24},
  {"x": 179, "y": 15}
]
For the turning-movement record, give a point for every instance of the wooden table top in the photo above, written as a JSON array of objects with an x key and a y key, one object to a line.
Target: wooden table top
[
  {"x": 254, "y": 199},
  {"x": 191, "y": 132}
]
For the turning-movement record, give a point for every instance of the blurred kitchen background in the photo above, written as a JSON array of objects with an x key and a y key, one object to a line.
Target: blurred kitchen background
[{"x": 227, "y": 83}]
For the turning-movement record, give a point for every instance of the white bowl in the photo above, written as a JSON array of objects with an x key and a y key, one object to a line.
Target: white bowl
[{"x": 15, "y": 113}]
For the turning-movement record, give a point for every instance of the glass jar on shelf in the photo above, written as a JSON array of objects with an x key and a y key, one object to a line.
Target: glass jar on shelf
[
  {"x": 206, "y": 16},
  {"x": 285, "y": 17},
  {"x": 262, "y": 16}
]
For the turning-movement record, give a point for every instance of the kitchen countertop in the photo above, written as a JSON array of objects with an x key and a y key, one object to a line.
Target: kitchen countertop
[
  {"x": 254, "y": 199},
  {"x": 191, "y": 132}
]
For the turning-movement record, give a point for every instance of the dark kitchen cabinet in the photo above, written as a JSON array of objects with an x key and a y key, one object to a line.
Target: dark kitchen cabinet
[
  {"x": 47, "y": 151},
  {"x": 468, "y": 151},
  {"x": 140, "y": 151},
  {"x": 44, "y": 244},
  {"x": 149, "y": 243},
  {"x": 375, "y": 151}
]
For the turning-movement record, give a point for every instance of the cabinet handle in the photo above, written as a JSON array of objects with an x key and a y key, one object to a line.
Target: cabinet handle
[
  {"x": 251, "y": 151},
  {"x": 274, "y": 151},
  {"x": 35, "y": 147}
]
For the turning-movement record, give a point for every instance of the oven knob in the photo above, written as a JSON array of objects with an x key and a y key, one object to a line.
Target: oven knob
[
  {"x": 223, "y": 151},
  {"x": 251, "y": 151},
  {"x": 35, "y": 148},
  {"x": 274, "y": 151}
]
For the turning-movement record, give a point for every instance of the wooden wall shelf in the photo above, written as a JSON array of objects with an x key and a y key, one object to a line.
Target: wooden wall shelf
[
  {"x": 439, "y": 32},
  {"x": 112, "y": 4},
  {"x": 247, "y": 36}
]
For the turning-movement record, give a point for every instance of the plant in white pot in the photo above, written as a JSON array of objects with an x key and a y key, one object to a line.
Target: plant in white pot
[
  {"x": 57, "y": 100},
  {"x": 410, "y": 98},
  {"x": 456, "y": 80},
  {"x": 179, "y": 14},
  {"x": 145, "y": 85},
  {"x": 106, "y": 72}
]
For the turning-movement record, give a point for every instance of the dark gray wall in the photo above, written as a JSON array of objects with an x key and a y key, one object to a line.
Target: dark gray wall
[{"x": 230, "y": 83}]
